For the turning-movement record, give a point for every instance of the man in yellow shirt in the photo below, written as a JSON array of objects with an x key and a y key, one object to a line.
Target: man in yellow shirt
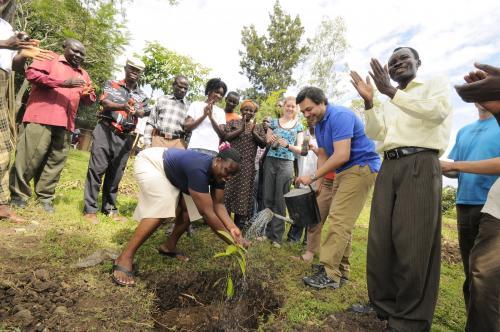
[{"x": 404, "y": 240}]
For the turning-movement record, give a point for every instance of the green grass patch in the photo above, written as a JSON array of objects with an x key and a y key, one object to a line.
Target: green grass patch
[{"x": 66, "y": 238}]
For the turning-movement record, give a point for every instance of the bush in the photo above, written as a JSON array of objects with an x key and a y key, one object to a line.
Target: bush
[{"x": 448, "y": 201}]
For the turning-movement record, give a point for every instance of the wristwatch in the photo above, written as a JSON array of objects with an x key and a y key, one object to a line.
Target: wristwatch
[
  {"x": 287, "y": 146},
  {"x": 313, "y": 177}
]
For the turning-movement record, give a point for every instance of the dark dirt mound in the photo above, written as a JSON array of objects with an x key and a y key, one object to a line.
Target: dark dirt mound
[
  {"x": 450, "y": 252},
  {"x": 196, "y": 302},
  {"x": 36, "y": 300}
]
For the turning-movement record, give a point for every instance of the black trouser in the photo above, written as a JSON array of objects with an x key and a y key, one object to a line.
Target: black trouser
[
  {"x": 295, "y": 233},
  {"x": 108, "y": 158},
  {"x": 404, "y": 241},
  {"x": 468, "y": 218},
  {"x": 278, "y": 176}
]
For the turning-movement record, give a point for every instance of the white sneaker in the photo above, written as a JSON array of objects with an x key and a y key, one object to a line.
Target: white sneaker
[
  {"x": 276, "y": 245},
  {"x": 261, "y": 238}
]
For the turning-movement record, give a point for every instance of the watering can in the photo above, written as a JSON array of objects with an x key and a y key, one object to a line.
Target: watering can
[
  {"x": 302, "y": 209},
  {"x": 302, "y": 206}
]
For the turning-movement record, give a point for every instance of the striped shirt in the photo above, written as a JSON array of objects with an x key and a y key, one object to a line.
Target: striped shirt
[{"x": 167, "y": 116}]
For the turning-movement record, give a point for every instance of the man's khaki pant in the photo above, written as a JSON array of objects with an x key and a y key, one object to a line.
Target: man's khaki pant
[
  {"x": 41, "y": 154},
  {"x": 324, "y": 200},
  {"x": 162, "y": 142},
  {"x": 350, "y": 190},
  {"x": 484, "y": 272}
]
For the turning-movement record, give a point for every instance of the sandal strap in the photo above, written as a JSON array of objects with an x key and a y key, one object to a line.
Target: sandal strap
[{"x": 124, "y": 270}]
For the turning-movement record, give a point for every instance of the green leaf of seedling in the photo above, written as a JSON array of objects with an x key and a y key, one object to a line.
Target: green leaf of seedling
[
  {"x": 231, "y": 249},
  {"x": 230, "y": 287},
  {"x": 242, "y": 254},
  {"x": 227, "y": 236},
  {"x": 243, "y": 265},
  {"x": 221, "y": 254}
]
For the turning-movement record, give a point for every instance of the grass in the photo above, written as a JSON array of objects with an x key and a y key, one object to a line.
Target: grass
[{"x": 64, "y": 238}]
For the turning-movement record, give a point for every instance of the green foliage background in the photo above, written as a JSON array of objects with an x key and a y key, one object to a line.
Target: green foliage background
[{"x": 163, "y": 65}]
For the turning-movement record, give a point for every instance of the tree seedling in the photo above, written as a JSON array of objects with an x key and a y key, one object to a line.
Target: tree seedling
[{"x": 236, "y": 253}]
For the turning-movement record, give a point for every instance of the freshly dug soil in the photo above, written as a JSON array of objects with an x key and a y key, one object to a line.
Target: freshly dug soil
[
  {"x": 36, "y": 301},
  {"x": 196, "y": 302}
]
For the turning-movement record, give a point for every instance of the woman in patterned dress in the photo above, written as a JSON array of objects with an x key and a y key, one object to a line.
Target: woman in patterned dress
[{"x": 244, "y": 136}]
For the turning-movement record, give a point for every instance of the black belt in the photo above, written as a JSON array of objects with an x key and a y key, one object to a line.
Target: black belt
[
  {"x": 404, "y": 151},
  {"x": 114, "y": 129},
  {"x": 167, "y": 135}
]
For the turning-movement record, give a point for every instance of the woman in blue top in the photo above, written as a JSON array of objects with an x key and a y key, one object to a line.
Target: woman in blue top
[
  {"x": 285, "y": 136},
  {"x": 163, "y": 174}
]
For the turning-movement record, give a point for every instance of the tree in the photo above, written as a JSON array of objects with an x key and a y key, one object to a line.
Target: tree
[
  {"x": 323, "y": 67},
  {"x": 269, "y": 106},
  {"x": 162, "y": 65},
  {"x": 268, "y": 60}
]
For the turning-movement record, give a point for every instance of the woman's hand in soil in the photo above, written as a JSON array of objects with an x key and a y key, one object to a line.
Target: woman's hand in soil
[{"x": 236, "y": 234}]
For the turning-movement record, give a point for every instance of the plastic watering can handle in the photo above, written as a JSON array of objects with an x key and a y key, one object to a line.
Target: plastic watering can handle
[{"x": 285, "y": 219}]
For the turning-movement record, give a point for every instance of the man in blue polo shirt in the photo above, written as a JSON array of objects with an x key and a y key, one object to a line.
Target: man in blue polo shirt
[
  {"x": 476, "y": 141},
  {"x": 345, "y": 149}
]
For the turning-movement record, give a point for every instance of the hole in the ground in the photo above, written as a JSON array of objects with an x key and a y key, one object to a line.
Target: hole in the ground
[{"x": 192, "y": 301}]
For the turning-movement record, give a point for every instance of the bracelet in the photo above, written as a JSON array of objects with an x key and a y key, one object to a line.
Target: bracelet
[{"x": 287, "y": 146}]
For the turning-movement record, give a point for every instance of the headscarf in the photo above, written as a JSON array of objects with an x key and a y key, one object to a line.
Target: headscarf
[{"x": 251, "y": 103}]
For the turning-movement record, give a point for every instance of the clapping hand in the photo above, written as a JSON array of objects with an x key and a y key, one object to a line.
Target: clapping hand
[
  {"x": 87, "y": 89},
  {"x": 282, "y": 142},
  {"x": 74, "y": 83},
  {"x": 365, "y": 89},
  {"x": 381, "y": 78},
  {"x": 18, "y": 41},
  {"x": 483, "y": 86},
  {"x": 36, "y": 53}
]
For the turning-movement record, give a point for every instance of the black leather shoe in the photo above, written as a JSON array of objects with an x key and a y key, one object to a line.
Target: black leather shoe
[
  {"x": 317, "y": 267},
  {"x": 48, "y": 207},
  {"x": 320, "y": 280},
  {"x": 18, "y": 202},
  {"x": 365, "y": 309},
  {"x": 361, "y": 308}
]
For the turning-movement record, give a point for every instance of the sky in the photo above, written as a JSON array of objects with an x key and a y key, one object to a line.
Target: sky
[{"x": 449, "y": 35}]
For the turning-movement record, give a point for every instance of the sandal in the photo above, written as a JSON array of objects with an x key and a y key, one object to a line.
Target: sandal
[
  {"x": 301, "y": 259},
  {"x": 123, "y": 270},
  {"x": 173, "y": 254}
]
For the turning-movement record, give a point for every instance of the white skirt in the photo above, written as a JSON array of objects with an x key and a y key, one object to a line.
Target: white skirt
[{"x": 158, "y": 197}]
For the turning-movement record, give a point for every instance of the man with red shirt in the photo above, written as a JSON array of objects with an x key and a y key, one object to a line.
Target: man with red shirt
[
  {"x": 58, "y": 86},
  {"x": 122, "y": 103}
]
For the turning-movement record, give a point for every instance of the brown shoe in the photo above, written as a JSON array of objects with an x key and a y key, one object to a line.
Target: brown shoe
[
  {"x": 7, "y": 213},
  {"x": 116, "y": 217},
  {"x": 91, "y": 218}
]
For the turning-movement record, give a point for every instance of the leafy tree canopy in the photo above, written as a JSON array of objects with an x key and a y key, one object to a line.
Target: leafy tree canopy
[
  {"x": 323, "y": 66},
  {"x": 268, "y": 60},
  {"x": 163, "y": 65}
]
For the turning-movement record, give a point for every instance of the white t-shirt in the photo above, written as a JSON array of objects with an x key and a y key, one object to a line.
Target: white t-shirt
[
  {"x": 6, "y": 55},
  {"x": 492, "y": 205},
  {"x": 204, "y": 136}
]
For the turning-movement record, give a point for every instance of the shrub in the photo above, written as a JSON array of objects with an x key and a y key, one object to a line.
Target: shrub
[{"x": 448, "y": 201}]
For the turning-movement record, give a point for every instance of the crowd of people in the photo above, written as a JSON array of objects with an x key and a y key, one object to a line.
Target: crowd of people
[{"x": 202, "y": 161}]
